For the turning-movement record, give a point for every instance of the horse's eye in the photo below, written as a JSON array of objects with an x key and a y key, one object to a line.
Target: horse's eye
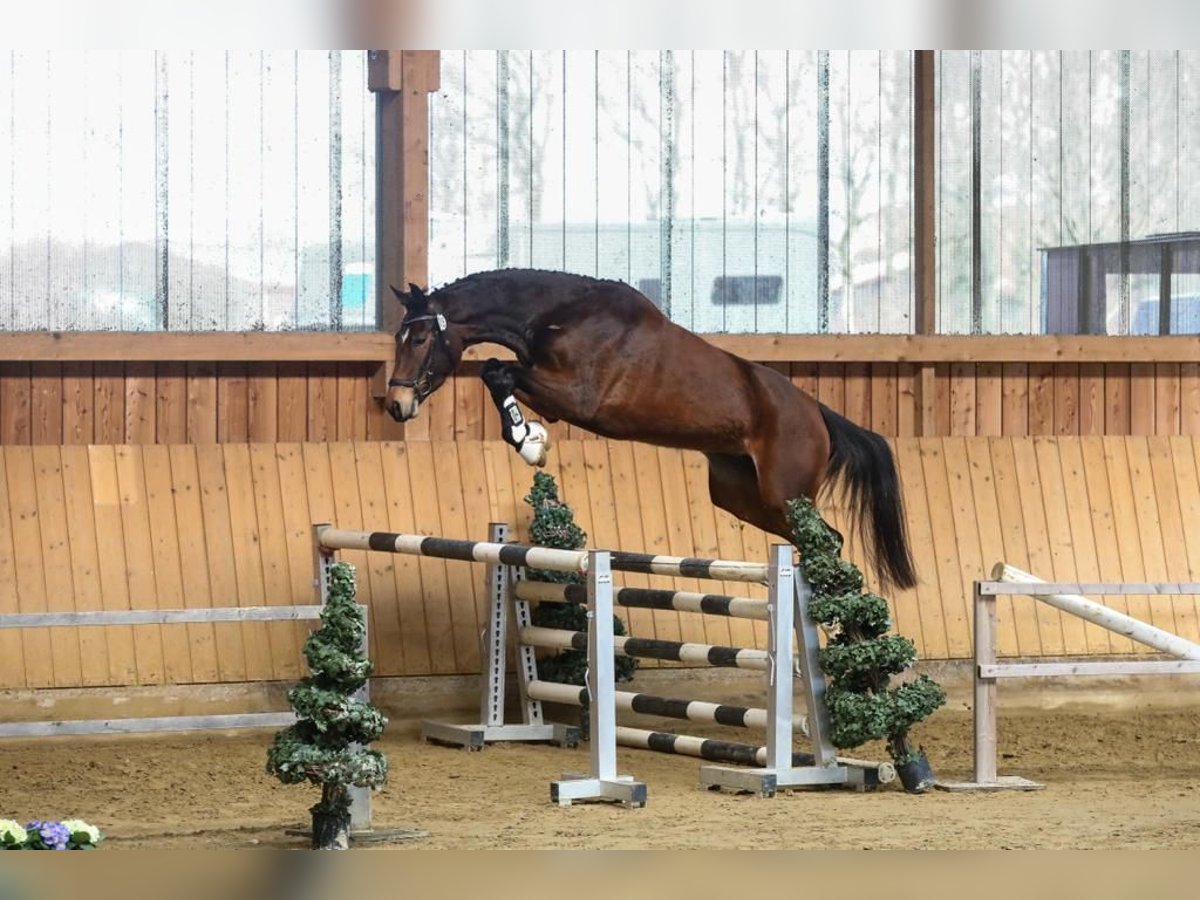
[{"x": 418, "y": 341}]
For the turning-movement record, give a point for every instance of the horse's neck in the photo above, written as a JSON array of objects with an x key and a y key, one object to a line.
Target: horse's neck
[{"x": 482, "y": 320}]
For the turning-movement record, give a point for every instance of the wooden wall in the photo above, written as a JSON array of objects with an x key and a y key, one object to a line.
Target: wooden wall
[{"x": 116, "y": 527}]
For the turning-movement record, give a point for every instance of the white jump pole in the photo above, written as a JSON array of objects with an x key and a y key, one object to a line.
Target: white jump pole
[{"x": 1104, "y": 616}]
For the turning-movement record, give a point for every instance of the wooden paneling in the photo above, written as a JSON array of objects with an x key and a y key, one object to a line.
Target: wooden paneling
[{"x": 214, "y": 525}]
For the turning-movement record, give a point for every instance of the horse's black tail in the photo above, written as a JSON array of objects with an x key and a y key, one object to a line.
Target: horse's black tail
[{"x": 861, "y": 461}]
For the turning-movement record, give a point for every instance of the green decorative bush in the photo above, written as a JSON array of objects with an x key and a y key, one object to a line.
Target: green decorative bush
[
  {"x": 326, "y": 745},
  {"x": 860, "y": 657},
  {"x": 554, "y": 526}
]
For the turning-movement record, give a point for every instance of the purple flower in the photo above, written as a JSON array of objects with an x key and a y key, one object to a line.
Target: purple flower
[{"x": 48, "y": 835}]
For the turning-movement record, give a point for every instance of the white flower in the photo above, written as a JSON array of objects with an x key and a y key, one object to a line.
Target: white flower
[
  {"x": 12, "y": 833},
  {"x": 78, "y": 827}
]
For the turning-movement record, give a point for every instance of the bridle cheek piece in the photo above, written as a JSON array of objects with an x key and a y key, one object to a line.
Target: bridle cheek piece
[{"x": 421, "y": 383}]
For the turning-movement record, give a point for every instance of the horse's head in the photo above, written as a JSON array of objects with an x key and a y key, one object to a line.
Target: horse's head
[{"x": 427, "y": 351}]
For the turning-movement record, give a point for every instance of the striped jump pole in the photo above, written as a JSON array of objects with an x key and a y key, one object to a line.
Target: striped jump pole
[
  {"x": 666, "y": 707},
  {"x": 650, "y": 648},
  {"x": 875, "y": 773},
  {"x": 649, "y": 598}
]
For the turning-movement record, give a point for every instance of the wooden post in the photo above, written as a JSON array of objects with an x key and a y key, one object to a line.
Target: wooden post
[
  {"x": 401, "y": 81},
  {"x": 924, "y": 183}
]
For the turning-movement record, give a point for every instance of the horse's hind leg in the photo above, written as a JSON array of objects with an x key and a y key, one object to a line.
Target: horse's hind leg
[{"x": 529, "y": 438}]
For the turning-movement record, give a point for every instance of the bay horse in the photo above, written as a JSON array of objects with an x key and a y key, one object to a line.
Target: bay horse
[{"x": 600, "y": 355}]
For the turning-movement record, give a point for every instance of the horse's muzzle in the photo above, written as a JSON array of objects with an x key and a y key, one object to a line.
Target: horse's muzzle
[{"x": 403, "y": 404}]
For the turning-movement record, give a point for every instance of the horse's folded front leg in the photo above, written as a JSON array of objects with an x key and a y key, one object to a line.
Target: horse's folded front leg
[{"x": 529, "y": 438}]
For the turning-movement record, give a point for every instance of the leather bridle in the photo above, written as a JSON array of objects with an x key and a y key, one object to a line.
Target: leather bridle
[{"x": 421, "y": 384}]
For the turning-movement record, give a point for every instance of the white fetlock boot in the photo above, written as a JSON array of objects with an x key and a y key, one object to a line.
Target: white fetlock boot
[{"x": 536, "y": 444}]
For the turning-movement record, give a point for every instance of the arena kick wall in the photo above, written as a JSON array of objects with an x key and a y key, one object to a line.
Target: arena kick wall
[{"x": 104, "y": 527}]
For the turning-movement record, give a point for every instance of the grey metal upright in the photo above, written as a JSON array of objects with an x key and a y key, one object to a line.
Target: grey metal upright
[
  {"x": 603, "y": 782},
  {"x": 787, "y": 601},
  {"x": 360, "y": 798},
  {"x": 491, "y": 727}
]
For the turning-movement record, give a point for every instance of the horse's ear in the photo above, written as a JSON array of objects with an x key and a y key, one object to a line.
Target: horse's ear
[
  {"x": 413, "y": 300},
  {"x": 415, "y": 290}
]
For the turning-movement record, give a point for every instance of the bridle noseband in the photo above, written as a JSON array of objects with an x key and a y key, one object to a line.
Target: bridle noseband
[{"x": 421, "y": 383}]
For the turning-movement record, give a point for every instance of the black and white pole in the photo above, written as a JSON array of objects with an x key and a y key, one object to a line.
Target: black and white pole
[{"x": 603, "y": 782}]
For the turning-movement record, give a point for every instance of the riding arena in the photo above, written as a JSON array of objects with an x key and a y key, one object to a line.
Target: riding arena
[{"x": 358, "y": 335}]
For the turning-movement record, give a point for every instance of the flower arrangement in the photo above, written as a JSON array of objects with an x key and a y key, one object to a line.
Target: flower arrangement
[{"x": 69, "y": 834}]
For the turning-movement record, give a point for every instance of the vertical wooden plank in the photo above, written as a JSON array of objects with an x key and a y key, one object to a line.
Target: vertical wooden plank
[
  {"x": 1091, "y": 398},
  {"x": 202, "y": 403},
  {"x": 1148, "y": 522},
  {"x": 1066, "y": 398},
  {"x": 679, "y": 533},
  {"x": 49, "y": 517},
  {"x": 439, "y": 410},
  {"x": 573, "y": 484},
  {"x": 1166, "y": 399},
  {"x": 13, "y": 667},
  {"x": 857, "y": 404},
  {"x": 629, "y": 526},
  {"x": 322, "y": 402},
  {"x": 262, "y": 398},
  {"x": 1189, "y": 398},
  {"x": 1171, "y": 525},
  {"x": 1041, "y": 398},
  {"x": 408, "y": 571},
  {"x": 1082, "y": 564},
  {"x": 438, "y": 607},
  {"x": 1125, "y": 513},
  {"x": 262, "y": 648},
  {"x": 655, "y": 528},
  {"x": 717, "y": 629},
  {"x": 941, "y": 401},
  {"x": 1142, "y": 394},
  {"x": 1117, "y": 414},
  {"x": 989, "y": 399},
  {"x": 1183, "y": 452},
  {"x": 78, "y": 402},
  {"x": 233, "y": 403},
  {"x": 139, "y": 571},
  {"x": 967, "y": 539},
  {"x": 140, "y": 403},
  {"x": 907, "y": 413},
  {"x": 230, "y": 638},
  {"x": 352, "y": 389},
  {"x": 45, "y": 402},
  {"x": 1041, "y": 562},
  {"x": 168, "y": 574},
  {"x": 473, "y": 475},
  {"x": 962, "y": 399},
  {"x": 1061, "y": 538},
  {"x": 1015, "y": 399},
  {"x": 14, "y": 403},
  {"x": 194, "y": 564},
  {"x": 1106, "y": 530},
  {"x": 989, "y": 527},
  {"x": 885, "y": 402},
  {"x": 463, "y": 580},
  {"x": 831, "y": 385},
  {"x": 1015, "y": 540},
  {"x": 930, "y": 637},
  {"x": 945, "y": 547},
  {"x": 171, "y": 402},
  {"x": 297, "y": 526},
  {"x": 292, "y": 392},
  {"x": 287, "y": 660},
  {"x": 84, "y": 562},
  {"x": 110, "y": 554},
  {"x": 470, "y": 395}
]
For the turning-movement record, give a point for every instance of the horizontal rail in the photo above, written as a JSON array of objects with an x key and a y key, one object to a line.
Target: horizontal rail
[
  {"x": 138, "y": 726},
  {"x": 1044, "y": 588},
  {"x": 728, "y": 751},
  {"x": 1096, "y": 613},
  {"x": 1051, "y": 670},
  {"x": 649, "y": 598},
  {"x": 539, "y": 557},
  {"x": 160, "y": 616},
  {"x": 666, "y": 707},
  {"x": 648, "y": 648}
]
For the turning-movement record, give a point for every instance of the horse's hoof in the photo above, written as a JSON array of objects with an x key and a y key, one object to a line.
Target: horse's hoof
[{"x": 536, "y": 445}]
